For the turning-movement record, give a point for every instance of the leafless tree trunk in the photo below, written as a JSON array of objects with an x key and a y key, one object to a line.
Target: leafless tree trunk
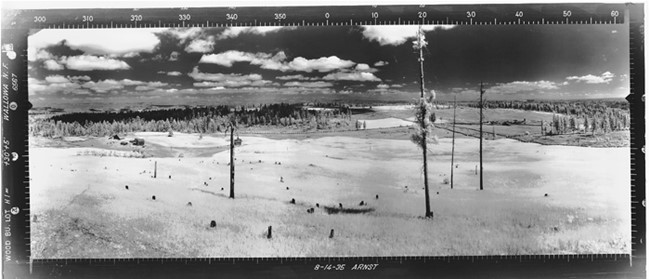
[
  {"x": 481, "y": 137},
  {"x": 453, "y": 144},
  {"x": 232, "y": 162}
]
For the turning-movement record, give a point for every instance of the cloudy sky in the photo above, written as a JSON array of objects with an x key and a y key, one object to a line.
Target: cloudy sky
[{"x": 300, "y": 63}]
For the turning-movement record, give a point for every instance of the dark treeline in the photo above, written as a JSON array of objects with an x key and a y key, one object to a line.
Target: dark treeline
[
  {"x": 582, "y": 107},
  {"x": 593, "y": 116},
  {"x": 210, "y": 119}
]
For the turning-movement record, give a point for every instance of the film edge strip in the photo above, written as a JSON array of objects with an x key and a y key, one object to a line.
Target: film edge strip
[
  {"x": 637, "y": 135},
  {"x": 14, "y": 78},
  {"x": 483, "y": 14}
]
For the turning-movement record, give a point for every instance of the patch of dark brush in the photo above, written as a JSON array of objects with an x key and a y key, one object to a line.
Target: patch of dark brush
[{"x": 337, "y": 210}]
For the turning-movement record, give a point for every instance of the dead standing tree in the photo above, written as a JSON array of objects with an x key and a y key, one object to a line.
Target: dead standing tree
[
  {"x": 453, "y": 143},
  {"x": 231, "y": 126},
  {"x": 425, "y": 119},
  {"x": 481, "y": 136}
]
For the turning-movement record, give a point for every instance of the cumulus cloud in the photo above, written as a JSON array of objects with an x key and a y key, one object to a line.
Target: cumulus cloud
[
  {"x": 196, "y": 75},
  {"x": 524, "y": 86},
  {"x": 233, "y": 32},
  {"x": 380, "y": 63},
  {"x": 98, "y": 41},
  {"x": 62, "y": 79},
  {"x": 156, "y": 84},
  {"x": 293, "y": 77},
  {"x": 605, "y": 77},
  {"x": 52, "y": 65},
  {"x": 172, "y": 73},
  {"x": 308, "y": 84},
  {"x": 226, "y": 80},
  {"x": 362, "y": 67},
  {"x": 128, "y": 82},
  {"x": 200, "y": 43},
  {"x": 200, "y": 46},
  {"x": 56, "y": 79},
  {"x": 103, "y": 86},
  {"x": 34, "y": 55},
  {"x": 396, "y": 34},
  {"x": 237, "y": 82},
  {"x": 106, "y": 85},
  {"x": 79, "y": 78},
  {"x": 227, "y": 58},
  {"x": 278, "y": 61},
  {"x": 185, "y": 34},
  {"x": 58, "y": 84},
  {"x": 323, "y": 64},
  {"x": 352, "y": 76},
  {"x": 90, "y": 63},
  {"x": 146, "y": 86},
  {"x": 383, "y": 86}
]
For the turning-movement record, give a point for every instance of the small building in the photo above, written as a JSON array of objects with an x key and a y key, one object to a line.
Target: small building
[{"x": 138, "y": 141}]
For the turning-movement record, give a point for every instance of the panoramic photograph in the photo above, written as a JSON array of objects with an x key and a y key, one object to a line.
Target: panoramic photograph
[{"x": 331, "y": 141}]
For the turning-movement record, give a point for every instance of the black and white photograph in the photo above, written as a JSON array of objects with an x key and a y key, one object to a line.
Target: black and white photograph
[{"x": 329, "y": 141}]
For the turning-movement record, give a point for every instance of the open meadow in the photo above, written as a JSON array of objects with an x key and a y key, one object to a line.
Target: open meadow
[{"x": 538, "y": 199}]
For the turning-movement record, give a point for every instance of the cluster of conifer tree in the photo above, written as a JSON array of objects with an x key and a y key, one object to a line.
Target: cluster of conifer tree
[
  {"x": 609, "y": 121},
  {"x": 589, "y": 116},
  {"x": 211, "y": 119}
]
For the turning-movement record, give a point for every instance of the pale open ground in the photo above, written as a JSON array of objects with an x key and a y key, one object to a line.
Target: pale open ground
[{"x": 81, "y": 208}]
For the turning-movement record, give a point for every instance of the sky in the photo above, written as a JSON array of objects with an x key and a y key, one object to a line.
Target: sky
[{"x": 361, "y": 63}]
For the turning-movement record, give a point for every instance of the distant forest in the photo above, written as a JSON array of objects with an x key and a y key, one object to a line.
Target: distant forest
[
  {"x": 211, "y": 119},
  {"x": 595, "y": 116},
  {"x": 582, "y": 107}
]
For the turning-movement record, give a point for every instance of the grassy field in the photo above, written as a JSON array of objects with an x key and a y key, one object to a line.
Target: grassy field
[{"x": 537, "y": 200}]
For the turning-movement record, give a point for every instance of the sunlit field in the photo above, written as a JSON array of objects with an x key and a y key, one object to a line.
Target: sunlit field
[{"x": 538, "y": 199}]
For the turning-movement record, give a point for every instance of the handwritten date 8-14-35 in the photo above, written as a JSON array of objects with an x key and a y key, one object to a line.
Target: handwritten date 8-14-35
[{"x": 339, "y": 267}]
